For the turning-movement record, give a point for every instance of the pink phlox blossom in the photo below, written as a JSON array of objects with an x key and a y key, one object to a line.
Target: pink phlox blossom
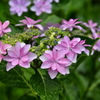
[
  {"x": 3, "y": 48},
  {"x": 3, "y": 28},
  {"x": 55, "y": 62},
  {"x": 19, "y": 6},
  {"x": 19, "y": 55},
  {"x": 30, "y": 23},
  {"x": 91, "y": 26},
  {"x": 42, "y": 6},
  {"x": 72, "y": 47},
  {"x": 97, "y": 44},
  {"x": 71, "y": 24}
]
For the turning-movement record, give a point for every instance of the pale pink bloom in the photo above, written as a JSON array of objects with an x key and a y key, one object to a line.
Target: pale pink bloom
[
  {"x": 42, "y": 6},
  {"x": 71, "y": 24},
  {"x": 3, "y": 28},
  {"x": 3, "y": 48},
  {"x": 97, "y": 44},
  {"x": 72, "y": 47},
  {"x": 19, "y": 55},
  {"x": 19, "y": 6},
  {"x": 92, "y": 27},
  {"x": 55, "y": 62},
  {"x": 30, "y": 23}
]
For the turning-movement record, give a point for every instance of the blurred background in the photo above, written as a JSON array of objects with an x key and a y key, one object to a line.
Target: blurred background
[{"x": 85, "y": 81}]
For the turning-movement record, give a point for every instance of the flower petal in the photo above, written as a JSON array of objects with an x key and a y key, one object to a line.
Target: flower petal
[
  {"x": 46, "y": 64},
  {"x": 7, "y": 30},
  {"x": 31, "y": 56},
  {"x": 6, "y": 46},
  {"x": 24, "y": 64},
  {"x": 43, "y": 58},
  {"x": 8, "y": 58},
  {"x": 72, "y": 56},
  {"x": 9, "y": 66},
  {"x": 5, "y": 24},
  {"x": 64, "y": 61},
  {"x": 25, "y": 50},
  {"x": 67, "y": 71},
  {"x": 52, "y": 73},
  {"x": 15, "y": 62},
  {"x": 61, "y": 69}
]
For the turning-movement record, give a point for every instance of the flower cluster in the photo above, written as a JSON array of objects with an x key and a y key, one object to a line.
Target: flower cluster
[
  {"x": 20, "y": 6},
  {"x": 53, "y": 48},
  {"x": 19, "y": 55}
]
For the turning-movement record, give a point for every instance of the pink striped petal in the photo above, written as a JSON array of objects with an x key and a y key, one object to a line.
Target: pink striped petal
[
  {"x": 31, "y": 56},
  {"x": 48, "y": 56},
  {"x": 24, "y": 58},
  {"x": 59, "y": 47},
  {"x": 5, "y": 24},
  {"x": 25, "y": 49},
  {"x": 15, "y": 62},
  {"x": 67, "y": 71},
  {"x": 61, "y": 69},
  {"x": 64, "y": 61},
  {"x": 87, "y": 52},
  {"x": 7, "y": 30},
  {"x": 12, "y": 54},
  {"x": 9, "y": 66},
  {"x": 39, "y": 26},
  {"x": 6, "y": 46},
  {"x": 54, "y": 66},
  {"x": 43, "y": 58},
  {"x": 8, "y": 58},
  {"x": 77, "y": 50},
  {"x": 24, "y": 64},
  {"x": 61, "y": 54},
  {"x": 46, "y": 64},
  {"x": 52, "y": 73},
  {"x": 72, "y": 56}
]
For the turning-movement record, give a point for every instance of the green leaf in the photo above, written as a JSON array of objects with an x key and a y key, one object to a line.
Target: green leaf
[
  {"x": 12, "y": 78},
  {"x": 45, "y": 87}
]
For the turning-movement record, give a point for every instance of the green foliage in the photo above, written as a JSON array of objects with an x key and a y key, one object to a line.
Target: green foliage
[
  {"x": 83, "y": 82},
  {"x": 12, "y": 78},
  {"x": 45, "y": 87}
]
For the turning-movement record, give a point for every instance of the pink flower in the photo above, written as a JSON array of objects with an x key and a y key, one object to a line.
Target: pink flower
[
  {"x": 71, "y": 24},
  {"x": 3, "y": 28},
  {"x": 92, "y": 27},
  {"x": 19, "y": 55},
  {"x": 97, "y": 44},
  {"x": 3, "y": 48},
  {"x": 30, "y": 23},
  {"x": 18, "y": 6},
  {"x": 72, "y": 47},
  {"x": 41, "y": 6},
  {"x": 55, "y": 62}
]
